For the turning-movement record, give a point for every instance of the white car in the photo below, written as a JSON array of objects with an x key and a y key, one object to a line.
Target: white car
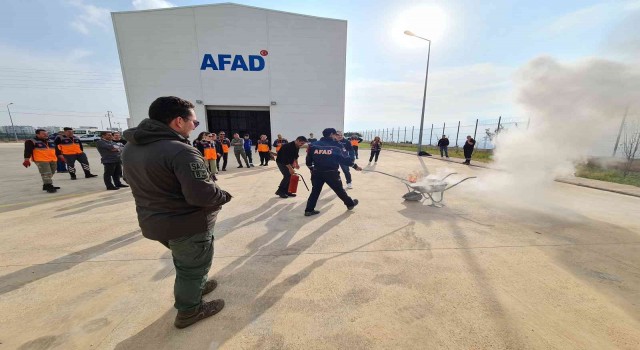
[{"x": 89, "y": 138}]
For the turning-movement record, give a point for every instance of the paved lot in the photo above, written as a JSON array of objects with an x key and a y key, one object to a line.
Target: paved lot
[{"x": 483, "y": 272}]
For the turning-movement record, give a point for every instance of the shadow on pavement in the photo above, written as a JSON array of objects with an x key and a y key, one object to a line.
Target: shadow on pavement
[
  {"x": 33, "y": 273},
  {"x": 243, "y": 284}
]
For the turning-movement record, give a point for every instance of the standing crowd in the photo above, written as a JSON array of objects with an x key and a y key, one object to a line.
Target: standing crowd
[{"x": 174, "y": 184}]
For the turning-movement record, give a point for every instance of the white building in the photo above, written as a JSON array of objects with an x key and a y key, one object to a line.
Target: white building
[{"x": 246, "y": 69}]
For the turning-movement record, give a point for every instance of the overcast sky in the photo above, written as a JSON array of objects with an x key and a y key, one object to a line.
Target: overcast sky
[{"x": 59, "y": 62}]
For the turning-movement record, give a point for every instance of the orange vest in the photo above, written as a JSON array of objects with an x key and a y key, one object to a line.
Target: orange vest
[
  {"x": 263, "y": 147},
  {"x": 42, "y": 152},
  {"x": 70, "y": 146},
  {"x": 209, "y": 151},
  {"x": 279, "y": 144},
  {"x": 354, "y": 143},
  {"x": 225, "y": 147}
]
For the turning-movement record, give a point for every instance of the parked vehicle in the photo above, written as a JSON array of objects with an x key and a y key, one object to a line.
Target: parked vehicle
[{"x": 89, "y": 137}]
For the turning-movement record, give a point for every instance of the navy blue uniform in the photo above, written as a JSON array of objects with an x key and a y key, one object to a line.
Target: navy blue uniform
[
  {"x": 345, "y": 168},
  {"x": 324, "y": 158}
]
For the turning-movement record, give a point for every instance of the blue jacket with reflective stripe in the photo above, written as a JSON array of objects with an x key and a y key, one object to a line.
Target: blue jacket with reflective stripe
[{"x": 327, "y": 154}]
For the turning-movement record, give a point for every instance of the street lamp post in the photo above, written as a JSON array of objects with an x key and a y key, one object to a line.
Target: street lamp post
[
  {"x": 11, "y": 119},
  {"x": 424, "y": 97}
]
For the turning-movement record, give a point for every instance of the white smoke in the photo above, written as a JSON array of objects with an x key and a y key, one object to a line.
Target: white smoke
[{"x": 574, "y": 108}]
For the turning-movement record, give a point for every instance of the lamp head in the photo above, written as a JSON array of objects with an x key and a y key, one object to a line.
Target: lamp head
[{"x": 408, "y": 32}]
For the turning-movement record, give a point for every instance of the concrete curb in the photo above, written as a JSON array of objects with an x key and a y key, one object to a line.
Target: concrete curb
[
  {"x": 596, "y": 184},
  {"x": 601, "y": 188}
]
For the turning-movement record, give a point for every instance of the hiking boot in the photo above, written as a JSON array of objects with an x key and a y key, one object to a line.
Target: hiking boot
[
  {"x": 90, "y": 175},
  {"x": 44, "y": 187},
  {"x": 121, "y": 186},
  {"x": 206, "y": 309},
  {"x": 355, "y": 202},
  {"x": 209, "y": 287},
  {"x": 50, "y": 189},
  {"x": 291, "y": 194},
  {"x": 282, "y": 195},
  {"x": 112, "y": 188},
  {"x": 73, "y": 176},
  {"x": 313, "y": 212},
  {"x": 240, "y": 167}
]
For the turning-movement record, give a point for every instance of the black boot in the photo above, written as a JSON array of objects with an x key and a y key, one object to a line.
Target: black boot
[
  {"x": 89, "y": 175},
  {"x": 49, "y": 188},
  {"x": 73, "y": 176}
]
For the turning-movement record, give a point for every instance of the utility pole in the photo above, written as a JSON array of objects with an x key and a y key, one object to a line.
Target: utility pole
[
  {"x": 11, "y": 119},
  {"x": 109, "y": 117}
]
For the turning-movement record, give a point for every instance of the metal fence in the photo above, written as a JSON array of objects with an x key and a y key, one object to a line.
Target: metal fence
[
  {"x": 483, "y": 131},
  {"x": 10, "y": 137}
]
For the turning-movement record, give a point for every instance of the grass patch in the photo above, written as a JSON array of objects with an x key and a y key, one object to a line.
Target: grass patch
[
  {"x": 591, "y": 171},
  {"x": 484, "y": 156}
]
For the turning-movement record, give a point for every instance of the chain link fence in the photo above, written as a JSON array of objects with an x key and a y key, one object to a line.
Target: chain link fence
[{"x": 483, "y": 131}]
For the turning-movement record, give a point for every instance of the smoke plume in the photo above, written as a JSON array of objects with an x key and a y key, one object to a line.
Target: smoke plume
[{"x": 575, "y": 110}]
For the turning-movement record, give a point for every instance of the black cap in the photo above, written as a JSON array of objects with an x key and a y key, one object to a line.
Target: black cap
[
  {"x": 67, "y": 129},
  {"x": 328, "y": 131},
  {"x": 301, "y": 139}
]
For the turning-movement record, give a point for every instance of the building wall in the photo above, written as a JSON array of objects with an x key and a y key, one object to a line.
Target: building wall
[{"x": 161, "y": 52}]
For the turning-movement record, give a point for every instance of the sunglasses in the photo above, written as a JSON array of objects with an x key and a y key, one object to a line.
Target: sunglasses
[{"x": 195, "y": 122}]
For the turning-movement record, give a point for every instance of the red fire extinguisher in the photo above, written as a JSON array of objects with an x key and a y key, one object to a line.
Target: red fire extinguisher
[{"x": 293, "y": 183}]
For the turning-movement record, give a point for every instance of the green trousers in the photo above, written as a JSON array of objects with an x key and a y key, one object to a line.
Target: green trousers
[
  {"x": 47, "y": 169},
  {"x": 192, "y": 257}
]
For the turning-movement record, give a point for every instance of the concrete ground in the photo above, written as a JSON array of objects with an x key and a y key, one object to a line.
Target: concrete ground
[{"x": 483, "y": 272}]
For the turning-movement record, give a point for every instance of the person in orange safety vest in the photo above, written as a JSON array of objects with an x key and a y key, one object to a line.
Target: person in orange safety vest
[
  {"x": 263, "y": 147},
  {"x": 355, "y": 142},
  {"x": 43, "y": 153},
  {"x": 225, "y": 143},
  {"x": 279, "y": 143},
  {"x": 70, "y": 148}
]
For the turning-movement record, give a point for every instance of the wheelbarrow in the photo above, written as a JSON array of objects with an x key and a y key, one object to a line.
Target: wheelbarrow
[{"x": 432, "y": 189}]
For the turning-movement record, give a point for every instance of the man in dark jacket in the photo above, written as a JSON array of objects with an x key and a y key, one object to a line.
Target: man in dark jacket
[
  {"x": 468, "y": 149},
  {"x": 176, "y": 201},
  {"x": 347, "y": 146},
  {"x": 323, "y": 159},
  {"x": 287, "y": 162},
  {"x": 443, "y": 143},
  {"x": 110, "y": 158}
]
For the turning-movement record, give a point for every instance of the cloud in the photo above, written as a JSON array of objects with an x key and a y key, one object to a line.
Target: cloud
[
  {"x": 453, "y": 94},
  {"x": 151, "y": 4},
  {"x": 90, "y": 16},
  {"x": 588, "y": 17},
  {"x": 624, "y": 39},
  {"x": 65, "y": 81}
]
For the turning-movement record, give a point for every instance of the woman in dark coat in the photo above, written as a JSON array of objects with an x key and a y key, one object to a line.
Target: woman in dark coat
[{"x": 468, "y": 150}]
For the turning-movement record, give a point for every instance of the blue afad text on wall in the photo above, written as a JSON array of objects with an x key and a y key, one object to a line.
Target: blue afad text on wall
[{"x": 253, "y": 63}]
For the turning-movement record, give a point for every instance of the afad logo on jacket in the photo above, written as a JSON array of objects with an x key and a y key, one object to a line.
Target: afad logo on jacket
[{"x": 252, "y": 63}]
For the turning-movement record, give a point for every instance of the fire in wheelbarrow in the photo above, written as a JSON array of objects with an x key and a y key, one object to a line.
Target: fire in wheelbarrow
[{"x": 427, "y": 188}]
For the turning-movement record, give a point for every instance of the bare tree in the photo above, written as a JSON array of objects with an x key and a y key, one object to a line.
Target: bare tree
[{"x": 629, "y": 144}]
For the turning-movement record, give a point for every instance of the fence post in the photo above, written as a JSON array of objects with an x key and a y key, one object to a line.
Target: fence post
[
  {"x": 615, "y": 148},
  {"x": 475, "y": 131},
  {"x": 457, "y": 133},
  {"x": 431, "y": 135},
  {"x": 499, "y": 120},
  {"x": 398, "y": 135},
  {"x": 444, "y": 125},
  {"x": 412, "y": 132},
  {"x": 405, "y": 135}
]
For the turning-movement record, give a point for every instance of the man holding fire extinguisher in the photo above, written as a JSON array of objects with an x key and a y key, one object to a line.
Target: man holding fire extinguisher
[{"x": 287, "y": 162}]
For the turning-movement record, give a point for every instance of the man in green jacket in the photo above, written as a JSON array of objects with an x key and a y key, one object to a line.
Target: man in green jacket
[{"x": 176, "y": 201}]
